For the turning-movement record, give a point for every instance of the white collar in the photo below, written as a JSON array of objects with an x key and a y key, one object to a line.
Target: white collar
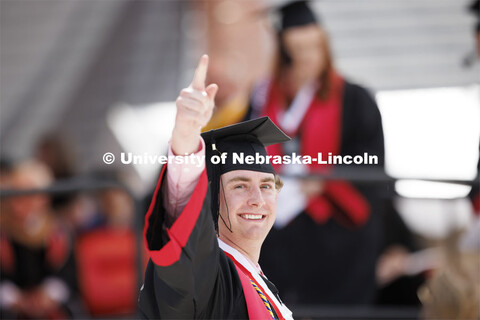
[
  {"x": 247, "y": 264},
  {"x": 290, "y": 119}
]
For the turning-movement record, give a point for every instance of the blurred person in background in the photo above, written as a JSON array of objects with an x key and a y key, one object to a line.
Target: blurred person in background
[
  {"x": 106, "y": 251},
  {"x": 55, "y": 151},
  {"x": 107, "y": 208},
  {"x": 333, "y": 229},
  {"x": 453, "y": 290},
  {"x": 401, "y": 268},
  {"x": 237, "y": 43},
  {"x": 116, "y": 206},
  {"x": 38, "y": 279},
  {"x": 230, "y": 104}
]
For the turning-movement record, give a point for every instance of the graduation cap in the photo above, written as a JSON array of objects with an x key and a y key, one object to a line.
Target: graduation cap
[
  {"x": 248, "y": 138},
  {"x": 296, "y": 14},
  {"x": 290, "y": 15},
  {"x": 475, "y": 9}
]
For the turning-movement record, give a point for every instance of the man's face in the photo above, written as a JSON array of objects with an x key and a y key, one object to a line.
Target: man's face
[{"x": 251, "y": 199}]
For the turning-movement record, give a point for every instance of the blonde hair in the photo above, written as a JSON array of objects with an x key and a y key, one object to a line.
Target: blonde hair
[
  {"x": 454, "y": 290},
  {"x": 278, "y": 183}
]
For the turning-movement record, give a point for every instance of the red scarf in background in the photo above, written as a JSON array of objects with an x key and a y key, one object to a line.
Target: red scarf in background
[{"x": 320, "y": 131}]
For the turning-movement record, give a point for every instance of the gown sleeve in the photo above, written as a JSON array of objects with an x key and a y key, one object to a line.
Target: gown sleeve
[
  {"x": 362, "y": 129},
  {"x": 188, "y": 275}
]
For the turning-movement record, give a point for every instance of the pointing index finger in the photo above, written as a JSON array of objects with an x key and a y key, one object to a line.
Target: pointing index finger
[{"x": 198, "y": 82}]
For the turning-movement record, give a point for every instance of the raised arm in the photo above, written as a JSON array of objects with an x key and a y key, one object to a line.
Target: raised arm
[{"x": 194, "y": 110}]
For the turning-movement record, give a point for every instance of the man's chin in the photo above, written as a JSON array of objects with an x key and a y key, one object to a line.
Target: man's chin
[{"x": 256, "y": 234}]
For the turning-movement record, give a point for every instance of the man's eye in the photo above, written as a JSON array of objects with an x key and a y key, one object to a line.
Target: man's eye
[
  {"x": 266, "y": 186},
  {"x": 239, "y": 186}
]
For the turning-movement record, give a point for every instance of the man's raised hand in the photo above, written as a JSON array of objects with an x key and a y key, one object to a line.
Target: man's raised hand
[{"x": 194, "y": 110}]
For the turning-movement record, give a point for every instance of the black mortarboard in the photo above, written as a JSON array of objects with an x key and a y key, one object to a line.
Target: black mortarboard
[
  {"x": 245, "y": 139},
  {"x": 475, "y": 9},
  {"x": 295, "y": 14}
]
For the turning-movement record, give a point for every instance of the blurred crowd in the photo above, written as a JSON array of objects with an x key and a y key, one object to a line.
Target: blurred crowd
[
  {"x": 64, "y": 254},
  {"x": 336, "y": 242}
]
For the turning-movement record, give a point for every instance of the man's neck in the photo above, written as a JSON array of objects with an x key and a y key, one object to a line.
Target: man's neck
[{"x": 251, "y": 252}]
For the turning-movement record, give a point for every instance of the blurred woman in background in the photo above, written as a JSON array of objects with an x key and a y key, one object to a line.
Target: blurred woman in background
[{"x": 334, "y": 229}]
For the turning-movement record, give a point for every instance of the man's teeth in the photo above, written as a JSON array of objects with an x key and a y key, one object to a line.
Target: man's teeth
[{"x": 252, "y": 216}]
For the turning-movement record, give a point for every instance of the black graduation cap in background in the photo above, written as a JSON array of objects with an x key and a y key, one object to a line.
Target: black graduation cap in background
[
  {"x": 295, "y": 14},
  {"x": 249, "y": 137},
  {"x": 290, "y": 15},
  {"x": 475, "y": 9}
]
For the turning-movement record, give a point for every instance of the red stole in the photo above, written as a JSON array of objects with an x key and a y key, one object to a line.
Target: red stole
[
  {"x": 255, "y": 306},
  {"x": 320, "y": 131}
]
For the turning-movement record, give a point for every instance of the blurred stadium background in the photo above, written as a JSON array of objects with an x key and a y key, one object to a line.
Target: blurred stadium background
[{"x": 103, "y": 75}]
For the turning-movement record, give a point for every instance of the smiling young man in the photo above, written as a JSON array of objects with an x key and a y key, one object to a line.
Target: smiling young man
[{"x": 202, "y": 267}]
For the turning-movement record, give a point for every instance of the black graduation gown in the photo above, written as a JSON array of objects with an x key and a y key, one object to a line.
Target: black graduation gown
[
  {"x": 197, "y": 279},
  {"x": 28, "y": 266}
]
